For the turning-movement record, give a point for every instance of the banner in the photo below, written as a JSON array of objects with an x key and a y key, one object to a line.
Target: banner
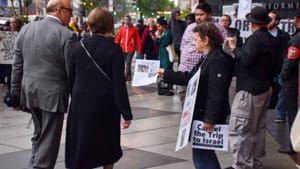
[
  {"x": 7, "y": 42},
  {"x": 188, "y": 111},
  {"x": 243, "y": 26},
  {"x": 244, "y": 8},
  {"x": 215, "y": 140}
]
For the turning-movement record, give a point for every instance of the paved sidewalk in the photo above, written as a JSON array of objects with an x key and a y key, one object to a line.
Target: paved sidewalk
[{"x": 148, "y": 143}]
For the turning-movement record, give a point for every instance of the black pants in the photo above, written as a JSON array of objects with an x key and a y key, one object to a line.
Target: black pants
[{"x": 290, "y": 94}]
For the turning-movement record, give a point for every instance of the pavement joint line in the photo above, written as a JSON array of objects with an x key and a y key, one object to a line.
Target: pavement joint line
[
  {"x": 141, "y": 131},
  {"x": 21, "y": 149},
  {"x": 152, "y": 146}
]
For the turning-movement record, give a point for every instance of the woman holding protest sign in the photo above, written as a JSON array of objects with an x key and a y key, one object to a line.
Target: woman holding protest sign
[{"x": 212, "y": 105}]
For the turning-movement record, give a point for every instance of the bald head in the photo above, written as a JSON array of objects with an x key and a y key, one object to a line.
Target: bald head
[
  {"x": 59, "y": 3},
  {"x": 61, "y": 9}
]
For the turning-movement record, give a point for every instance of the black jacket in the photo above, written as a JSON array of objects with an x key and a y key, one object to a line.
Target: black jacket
[
  {"x": 282, "y": 40},
  {"x": 256, "y": 65},
  {"x": 177, "y": 28},
  {"x": 212, "y": 105},
  {"x": 289, "y": 71}
]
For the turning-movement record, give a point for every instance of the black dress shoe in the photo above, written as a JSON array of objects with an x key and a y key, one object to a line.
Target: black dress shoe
[
  {"x": 169, "y": 93},
  {"x": 286, "y": 150},
  {"x": 229, "y": 168}
]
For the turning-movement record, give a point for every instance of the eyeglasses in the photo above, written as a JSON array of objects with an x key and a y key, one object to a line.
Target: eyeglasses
[{"x": 68, "y": 9}]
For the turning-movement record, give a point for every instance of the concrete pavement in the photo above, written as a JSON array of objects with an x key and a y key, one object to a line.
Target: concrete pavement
[{"x": 148, "y": 143}]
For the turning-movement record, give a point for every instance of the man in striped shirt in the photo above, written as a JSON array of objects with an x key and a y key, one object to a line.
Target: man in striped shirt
[{"x": 189, "y": 56}]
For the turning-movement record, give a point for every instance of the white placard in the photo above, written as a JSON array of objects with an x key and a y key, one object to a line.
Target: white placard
[
  {"x": 7, "y": 42},
  {"x": 215, "y": 140},
  {"x": 244, "y": 8},
  {"x": 188, "y": 111},
  {"x": 145, "y": 72}
]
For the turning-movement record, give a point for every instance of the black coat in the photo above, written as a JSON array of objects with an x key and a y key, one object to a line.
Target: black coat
[
  {"x": 212, "y": 105},
  {"x": 256, "y": 64},
  {"x": 93, "y": 126},
  {"x": 289, "y": 72}
]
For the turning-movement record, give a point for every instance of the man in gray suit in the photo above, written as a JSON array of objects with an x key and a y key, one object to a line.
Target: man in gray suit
[{"x": 40, "y": 78}]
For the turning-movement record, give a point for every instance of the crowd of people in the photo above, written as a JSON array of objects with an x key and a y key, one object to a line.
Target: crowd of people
[{"x": 45, "y": 72}]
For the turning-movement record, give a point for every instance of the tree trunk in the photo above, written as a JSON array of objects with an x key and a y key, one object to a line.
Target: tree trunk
[{"x": 13, "y": 7}]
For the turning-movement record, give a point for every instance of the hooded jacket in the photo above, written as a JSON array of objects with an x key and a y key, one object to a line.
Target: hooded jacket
[{"x": 129, "y": 39}]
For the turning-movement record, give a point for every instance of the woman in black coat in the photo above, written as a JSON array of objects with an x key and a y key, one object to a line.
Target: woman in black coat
[
  {"x": 212, "y": 105},
  {"x": 99, "y": 98}
]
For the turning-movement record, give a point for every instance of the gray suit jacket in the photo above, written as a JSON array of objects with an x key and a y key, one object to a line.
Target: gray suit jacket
[{"x": 40, "y": 68}]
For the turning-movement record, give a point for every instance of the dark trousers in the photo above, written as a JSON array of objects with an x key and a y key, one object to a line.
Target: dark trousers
[
  {"x": 205, "y": 159},
  {"x": 2, "y": 73},
  {"x": 290, "y": 95},
  {"x": 177, "y": 51},
  {"x": 150, "y": 54},
  {"x": 46, "y": 138},
  {"x": 128, "y": 59}
]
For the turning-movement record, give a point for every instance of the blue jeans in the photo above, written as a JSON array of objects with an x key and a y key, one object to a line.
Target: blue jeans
[
  {"x": 280, "y": 109},
  {"x": 139, "y": 56},
  {"x": 205, "y": 159}
]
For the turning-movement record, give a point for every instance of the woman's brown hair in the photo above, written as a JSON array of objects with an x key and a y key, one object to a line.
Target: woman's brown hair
[
  {"x": 210, "y": 30},
  {"x": 101, "y": 21}
]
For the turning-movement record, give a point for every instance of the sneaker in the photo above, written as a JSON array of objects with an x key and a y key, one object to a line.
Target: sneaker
[{"x": 279, "y": 120}]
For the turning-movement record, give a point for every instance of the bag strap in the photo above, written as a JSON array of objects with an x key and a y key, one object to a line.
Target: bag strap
[{"x": 99, "y": 68}]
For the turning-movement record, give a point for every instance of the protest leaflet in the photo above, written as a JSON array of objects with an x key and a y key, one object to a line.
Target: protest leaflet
[
  {"x": 187, "y": 113},
  {"x": 215, "y": 140},
  {"x": 145, "y": 72},
  {"x": 7, "y": 42}
]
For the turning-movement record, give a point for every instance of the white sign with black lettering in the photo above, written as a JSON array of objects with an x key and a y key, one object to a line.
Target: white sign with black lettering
[
  {"x": 188, "y": 111},
  {"x": 7, "y": 43},
  {"x": 215, "y": 140}
]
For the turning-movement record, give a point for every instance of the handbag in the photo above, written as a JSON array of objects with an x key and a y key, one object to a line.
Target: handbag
[
  {"x": 95, "y": 63},
  {"x": 11, "y": 100},
  {"x": 171, "y": 52},
  {"x": 162, "y": 88},
  {"x": 295, "y": 133}
]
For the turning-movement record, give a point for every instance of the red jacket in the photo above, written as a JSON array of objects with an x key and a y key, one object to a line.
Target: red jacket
[{"x": 129, "y": 39}]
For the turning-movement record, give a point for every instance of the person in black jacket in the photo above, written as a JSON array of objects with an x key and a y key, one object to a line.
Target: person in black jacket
[
  {"x": 256, "y": 69},
  {"x": 177, "y": 27},
  {"x": 282, "y": 39},
  {"x": 99, "y": 98},
  {"x": 289, "y": 75},
  {"x": 212, "y": 105}
]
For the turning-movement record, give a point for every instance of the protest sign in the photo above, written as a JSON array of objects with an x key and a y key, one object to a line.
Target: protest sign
[
  {"x": 188, "y": 110},
  {"x": 145, "y": 72},
  {"x": 243, "y": 25},
  {"x": 215, "y": 140},
  {"x": 7, "y": 42}
]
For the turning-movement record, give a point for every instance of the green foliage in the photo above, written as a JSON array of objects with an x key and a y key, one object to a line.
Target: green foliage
[
  {"x": 185, "y": 11},
  {"x": 16, "y": 11},
  {"x": 149, "y": 8},
  {"x": 88, "y": 5}
]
